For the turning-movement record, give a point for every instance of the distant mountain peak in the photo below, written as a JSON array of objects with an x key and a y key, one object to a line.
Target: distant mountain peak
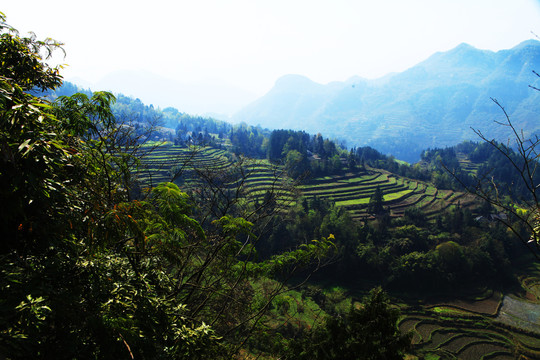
[
  {"x": 464, "y": 56},
  {"x": 465, "y": 46},
  {"x": 527, "y": 43},
  {"x": 293, "y": 82},
  {"x": 432, "y": 104},
  {"x": 464, "y": 49}
]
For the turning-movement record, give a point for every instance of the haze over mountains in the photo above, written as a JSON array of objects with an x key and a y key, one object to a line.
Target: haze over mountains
[
  {"x": 189, "y": 97},
  {"x": 433, "y": 104}
]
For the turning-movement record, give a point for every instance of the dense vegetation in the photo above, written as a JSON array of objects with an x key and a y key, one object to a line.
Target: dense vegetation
[
  {"x": 468, "y": 161},
  {"x": 136, "y": 232},
  {"x": 94, "y": 266}
]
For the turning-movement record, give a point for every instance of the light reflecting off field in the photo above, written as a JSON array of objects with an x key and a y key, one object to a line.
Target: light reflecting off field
[{"x": 520, "y": 313}]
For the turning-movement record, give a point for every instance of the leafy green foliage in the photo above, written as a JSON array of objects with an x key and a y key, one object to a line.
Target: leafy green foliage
[
  {"x": 89, "y": 269},
  {"x": 30, "y": 145},
  {"x": 368, "y": 331},
  {"x": 22, "y": 59},
  {"x": 81, "y": 277},
  {"x": 375, "y": 205}
]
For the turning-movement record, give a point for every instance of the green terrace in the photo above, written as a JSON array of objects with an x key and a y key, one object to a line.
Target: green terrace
[
  {"x": 164, "y": 161},
  {"x": 353, "y": 191},
  {"x": 255, "y": 177},
  {"x": 466, "y": 164}
]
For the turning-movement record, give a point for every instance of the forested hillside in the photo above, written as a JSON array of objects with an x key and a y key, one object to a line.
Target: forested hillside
[
  {"x": 407, "y": 227},
  {"x": 140, "y": 233},
  {"x": 433, "y": 104},
  {"x": 95, "y": 267}
]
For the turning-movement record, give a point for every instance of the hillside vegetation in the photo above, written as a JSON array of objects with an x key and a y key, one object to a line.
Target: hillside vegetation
[
  {"x": 135, "y": 232},
  {"x": 390, "y": 222},
  {"x": 349, "y": 189}
]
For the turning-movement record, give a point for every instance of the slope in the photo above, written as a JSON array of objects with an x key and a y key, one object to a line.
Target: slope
[{"x": 431, "y": 104}]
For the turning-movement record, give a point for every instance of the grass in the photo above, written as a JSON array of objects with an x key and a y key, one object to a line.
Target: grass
[
  {"x": 447, "y": 311},
  {"x": 361, "y": 201},
  {"x": 396, "y": 195},
  {"x": 289, "y": 307}
]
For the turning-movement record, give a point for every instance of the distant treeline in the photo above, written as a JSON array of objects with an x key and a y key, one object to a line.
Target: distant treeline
[
  {"x": 306, "y": 155},
  {"x": 487, "y": 162}
]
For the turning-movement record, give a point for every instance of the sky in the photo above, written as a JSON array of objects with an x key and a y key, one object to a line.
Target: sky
[{"x": 237, "y": 49}]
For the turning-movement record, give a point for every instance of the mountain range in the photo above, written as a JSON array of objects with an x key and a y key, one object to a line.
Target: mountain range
[{"x": 433, "y": 104}]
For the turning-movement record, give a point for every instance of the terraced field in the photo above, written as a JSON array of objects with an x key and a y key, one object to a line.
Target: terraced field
[
  {"x": 353, "y": 191},
  {"x": 164, "y": 162},
  {"x": 258, "y": 177},
  {"x": 495, "y": 326},
  {"x": 462, "y": 336},
  {"x": 467, "y": 164},
  {"x": 186, "y": 166},
  {"x": 488, "y": 328}
]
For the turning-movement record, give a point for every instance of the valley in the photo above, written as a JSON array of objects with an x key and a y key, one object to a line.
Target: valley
[
  {"x": 350, "y": 220},
  {"x": 480, "y": 322}
]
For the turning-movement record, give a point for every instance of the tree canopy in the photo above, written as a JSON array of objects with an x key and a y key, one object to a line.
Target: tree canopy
[{"x": 90, "y": 269}]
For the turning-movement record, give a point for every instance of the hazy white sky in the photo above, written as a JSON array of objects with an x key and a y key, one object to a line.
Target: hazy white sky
[{"x": 251, "y": 43}]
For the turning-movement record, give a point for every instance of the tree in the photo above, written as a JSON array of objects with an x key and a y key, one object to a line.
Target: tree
[
  {"x": 368, "y": 331},
  {"x": 88, "y": 270},
  {"x": 29, "y": 145},
  {"x": 522, "y": 213},
  {"x": 351, "y": 160},
  {"x": 79, "y": 260},
  {"x": 297, "y": 165},
  {"x": 375, "y": 205}
]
